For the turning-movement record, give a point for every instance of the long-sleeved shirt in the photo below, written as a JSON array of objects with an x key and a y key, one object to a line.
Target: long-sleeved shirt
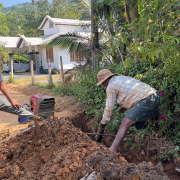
[{"x": 125, "y": 91}]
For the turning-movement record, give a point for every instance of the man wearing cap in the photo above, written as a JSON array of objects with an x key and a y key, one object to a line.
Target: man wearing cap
[
  {"x": 139, "y": 98},
  {"x": 9, "y": 105}
]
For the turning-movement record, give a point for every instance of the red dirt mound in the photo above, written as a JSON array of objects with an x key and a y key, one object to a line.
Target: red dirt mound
[{"x": 56, "y": 150}]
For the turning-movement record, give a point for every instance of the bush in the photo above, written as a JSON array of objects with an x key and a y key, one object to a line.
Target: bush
[
  {"x": 155, "y": 75},
  {"x": 44, "y": 71}
]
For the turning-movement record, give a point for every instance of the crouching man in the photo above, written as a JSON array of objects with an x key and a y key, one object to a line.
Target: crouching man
[
  {"x": 139, "y": 98},
  {"x": 9, "y": 105}
]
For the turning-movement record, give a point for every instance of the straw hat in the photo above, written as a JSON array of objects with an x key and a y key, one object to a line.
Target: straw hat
[{"x": 103, "y": 75}]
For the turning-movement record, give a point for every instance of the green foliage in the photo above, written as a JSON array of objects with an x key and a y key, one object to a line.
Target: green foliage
[
  {"x": 17, "y": 7},
  {"x": 54, "y": 70},
  {"x": 44, "y": 71},
  {"x": 3, "y": 23},
  {"x": 26, "y": 20},
  {"x": 68, "y": 41},
  {"x": 11, "y": 79},
  {"x": 70, "y": 9},
  {"x": 168, "y": 155},
  {"x": 93, "y": 97},
  {"x": 24, "y": 58},
  {"x": 4, "y": 53}
]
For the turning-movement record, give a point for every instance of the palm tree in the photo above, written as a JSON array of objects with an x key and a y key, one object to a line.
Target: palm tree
[
  {"x": 33, "y": 2},
  {"x": 70, "y": 42},
  {"x": 95, "y": 34},
  {"x": 73, "y": 41}
]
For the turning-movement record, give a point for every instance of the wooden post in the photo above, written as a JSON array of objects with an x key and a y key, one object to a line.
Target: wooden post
[
  {"x": 32, "y": 72},
  {"x": 62, "y": 73},
  {"x": 11, "y": 65},
  {"x": 50, "y": 74}
]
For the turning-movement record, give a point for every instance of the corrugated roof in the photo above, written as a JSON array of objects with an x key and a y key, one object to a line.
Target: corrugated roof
[
  {"x": 9, "y": 42},
  {"x": 59, "y": 21},
  {"x": 49, "y": 38},
  {"x": 13, "y": 42}
]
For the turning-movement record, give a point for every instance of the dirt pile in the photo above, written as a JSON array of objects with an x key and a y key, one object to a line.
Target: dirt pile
[{"x": 64, "y": 152}]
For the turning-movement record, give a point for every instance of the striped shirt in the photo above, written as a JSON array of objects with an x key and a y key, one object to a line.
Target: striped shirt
[{"x": 125, "y": 91}]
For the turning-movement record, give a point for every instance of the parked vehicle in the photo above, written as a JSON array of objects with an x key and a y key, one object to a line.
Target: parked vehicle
[{"x": 18, "y": 65}]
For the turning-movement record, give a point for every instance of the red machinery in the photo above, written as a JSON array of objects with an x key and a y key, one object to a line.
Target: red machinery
[{"x": 42, "y": 104}]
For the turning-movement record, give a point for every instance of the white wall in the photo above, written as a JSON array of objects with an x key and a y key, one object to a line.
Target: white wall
[
  {"x": 56, "y": 64},
  {"x": 49, "y": 31},
  {"x": 56, "y": 51},
  {"x": 66, "y": 28},
  {"x": 43, "y": 56},
  {"x": 63, "y": 28},
  {"x": 66, "y": 60},
  {"x": 56, "y": 57}
]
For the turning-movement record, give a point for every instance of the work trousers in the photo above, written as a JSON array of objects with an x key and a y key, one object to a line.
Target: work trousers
[{"x": 6, "y": 106}]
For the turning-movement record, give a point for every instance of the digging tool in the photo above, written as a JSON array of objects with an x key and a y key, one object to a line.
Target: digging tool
[
  {"x": 101, "y": 134},
  {"x": 36, "y": 128},
  {"x": 106, "y": 134},
  {"x": 100, "y": 131}
]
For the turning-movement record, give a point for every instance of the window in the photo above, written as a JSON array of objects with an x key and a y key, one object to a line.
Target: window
[
  {"x": 76, "y": 57},
  {"x": 49, "y": 55},
  {"x": 50, "y": 24}
]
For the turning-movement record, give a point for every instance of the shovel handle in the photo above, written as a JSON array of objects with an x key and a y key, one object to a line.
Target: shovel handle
[{"x": 101, "y": 134}]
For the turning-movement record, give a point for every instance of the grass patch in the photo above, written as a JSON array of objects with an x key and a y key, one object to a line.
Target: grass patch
[{"x": 40, "y": 81}]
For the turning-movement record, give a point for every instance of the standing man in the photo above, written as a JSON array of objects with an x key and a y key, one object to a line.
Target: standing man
[
  {"x": 9, "y": 105},
  {"x": 141, "y": 99}
]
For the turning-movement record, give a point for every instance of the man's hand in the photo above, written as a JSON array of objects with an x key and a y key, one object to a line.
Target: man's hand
[
  {"x": 100, "y": 131},
  {"x": 16, "y": 105},
  {"x": 6, "y": 93},
  {"x": 122, "y": 110}
]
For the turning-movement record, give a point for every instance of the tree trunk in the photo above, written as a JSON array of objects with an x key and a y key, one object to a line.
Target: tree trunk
[
  {"x": 134, "y": 15},
  {"x": 127, "y": 13},
  {"x": 95, "y": 34},
  {"x": 62, "y": 72},
  {"x": 11, "y": 66},
  {"x": 134, "y": 11},
  {"x": 32, "y": 72},
  {"x": 50, "y": 74}
]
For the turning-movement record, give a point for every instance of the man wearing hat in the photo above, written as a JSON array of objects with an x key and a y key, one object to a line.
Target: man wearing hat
[{"x": 139, "y": 98}]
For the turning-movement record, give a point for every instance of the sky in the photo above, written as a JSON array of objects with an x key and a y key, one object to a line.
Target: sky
[{"x": 8, "y": 3}]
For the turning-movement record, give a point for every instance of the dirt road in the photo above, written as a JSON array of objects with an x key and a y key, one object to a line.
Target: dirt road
[
  {"x": 65, "y": 107},
  {"x": 10, "y": 121}
]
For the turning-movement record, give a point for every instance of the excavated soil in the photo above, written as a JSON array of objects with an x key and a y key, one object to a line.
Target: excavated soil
[
  {"x": 62, "y": 151},
  {"x": 58, "y": 150}
]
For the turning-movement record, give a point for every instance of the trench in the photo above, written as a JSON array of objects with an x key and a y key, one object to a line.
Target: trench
[{"x": 135, "y": 156}]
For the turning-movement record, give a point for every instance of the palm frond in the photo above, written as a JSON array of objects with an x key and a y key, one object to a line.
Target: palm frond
[{"x": 68, "y": 42}]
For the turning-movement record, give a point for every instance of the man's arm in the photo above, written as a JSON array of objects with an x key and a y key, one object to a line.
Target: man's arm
[
  {"x": 111, "y": 99},
  {"x": 6, "y": 93},
  {"x": 110, "y": 102}
]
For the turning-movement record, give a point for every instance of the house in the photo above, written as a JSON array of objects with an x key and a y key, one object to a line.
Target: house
[{"x": 52, "y": 28}]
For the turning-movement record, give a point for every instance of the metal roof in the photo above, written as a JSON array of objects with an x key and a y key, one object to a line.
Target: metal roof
[
  {"x": 18, "y": 42},
  {"x": 8, "y": 42},
  {"x": 60, "y": 21}
]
